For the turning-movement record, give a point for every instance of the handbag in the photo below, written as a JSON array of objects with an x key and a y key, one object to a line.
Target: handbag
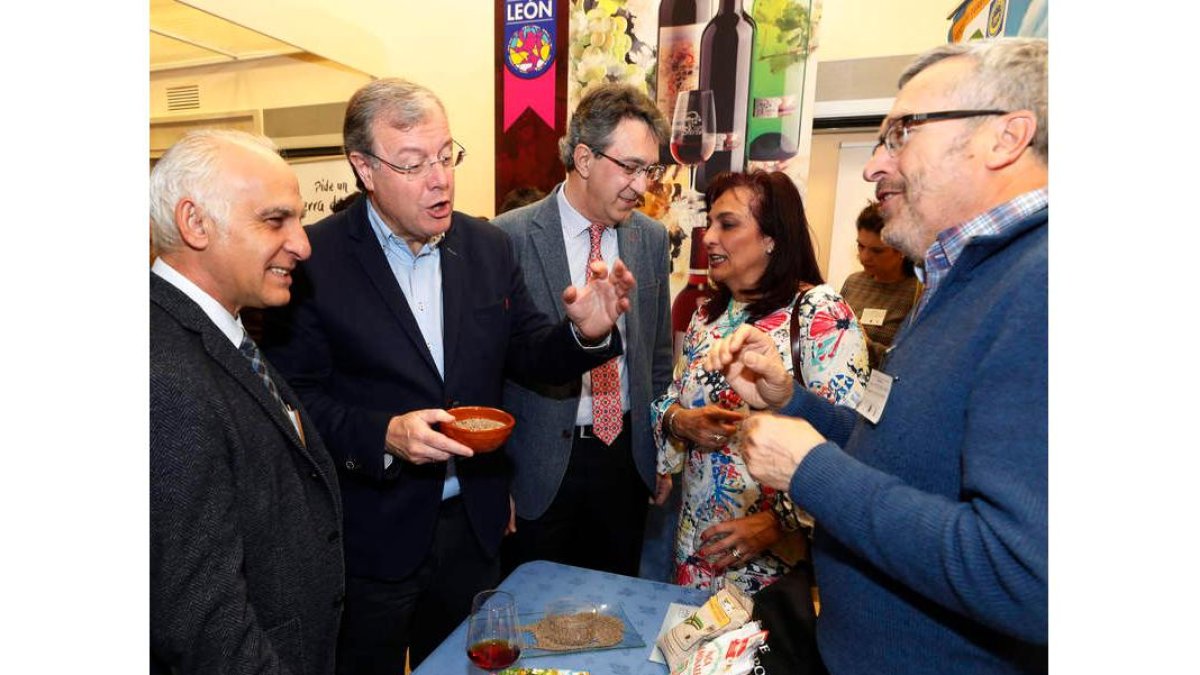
[{"x": 785, "y": 608}]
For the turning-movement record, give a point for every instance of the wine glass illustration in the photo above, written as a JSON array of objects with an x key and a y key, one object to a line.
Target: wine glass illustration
[
  {"x": 693, "y": 130},
  {"x": 493, "y": 636}
]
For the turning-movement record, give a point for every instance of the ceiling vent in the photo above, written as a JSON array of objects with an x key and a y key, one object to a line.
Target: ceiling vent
[{"x": 186, "y": 97}]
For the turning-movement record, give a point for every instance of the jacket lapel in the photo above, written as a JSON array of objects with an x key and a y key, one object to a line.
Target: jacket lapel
[
  {"x": 373, "y": 262},
  {"x": 631, "y": 251},
  {"x": 551, "y": 253},
  {"x": 221, "y": 350},
  {"x": 455, "y": 275}
]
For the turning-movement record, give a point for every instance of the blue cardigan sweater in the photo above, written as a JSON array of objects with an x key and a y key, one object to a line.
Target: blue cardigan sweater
[{"x": 931, "y": 545}]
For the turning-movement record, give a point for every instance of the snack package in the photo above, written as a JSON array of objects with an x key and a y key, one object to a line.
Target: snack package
[
  {"x": 730, "y": 653},
  {"x": 730, "y": 608}
]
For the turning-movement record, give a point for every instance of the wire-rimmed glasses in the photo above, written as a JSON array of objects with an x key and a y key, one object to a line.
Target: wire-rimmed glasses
[
  {"x": 450, "y": 157},
  {"x": 653, "y": 171}
]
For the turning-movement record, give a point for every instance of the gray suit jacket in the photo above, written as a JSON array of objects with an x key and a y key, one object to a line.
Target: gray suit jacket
[
  {"x": 246, "y": 570},
  {"x": 540, "y": 446}
]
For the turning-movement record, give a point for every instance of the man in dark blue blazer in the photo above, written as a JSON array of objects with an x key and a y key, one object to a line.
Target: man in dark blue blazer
[
  {"x": 407, "y": 308},
  {"x": 246, "y": 569},
  {"x": 582, "y": 499}
]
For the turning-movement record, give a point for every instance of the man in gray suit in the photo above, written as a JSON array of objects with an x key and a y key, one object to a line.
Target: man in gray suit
[
  {"x": 245, "y": 515},
  {"x": 583, "y": 453}
]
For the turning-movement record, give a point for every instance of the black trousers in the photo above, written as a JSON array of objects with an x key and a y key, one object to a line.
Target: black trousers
[
  {"x": 383, "y": 619},
  {"x": 598, "y": 517}
]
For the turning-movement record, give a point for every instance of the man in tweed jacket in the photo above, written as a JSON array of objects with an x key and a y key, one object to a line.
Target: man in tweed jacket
[{"x": 245, "y": 520}]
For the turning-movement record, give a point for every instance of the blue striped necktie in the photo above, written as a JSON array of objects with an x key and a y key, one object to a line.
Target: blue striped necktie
[{"x": 251, "y": 352}]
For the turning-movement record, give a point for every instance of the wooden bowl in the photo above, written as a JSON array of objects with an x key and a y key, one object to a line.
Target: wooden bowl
[{"x": 479, "y": 440}]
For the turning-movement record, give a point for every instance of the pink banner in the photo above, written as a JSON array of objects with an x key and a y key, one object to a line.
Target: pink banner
[{"x": 536, "y": 93}]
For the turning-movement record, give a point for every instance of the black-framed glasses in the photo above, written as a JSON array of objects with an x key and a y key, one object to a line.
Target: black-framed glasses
[
  {"x": 895, "y": 134},
  {"x": 453, "y": 155},
  {"x": 652, "y": 171}
]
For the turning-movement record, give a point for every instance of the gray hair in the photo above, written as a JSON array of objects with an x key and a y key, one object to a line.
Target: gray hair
[
  {"x": 188, "y": 169},
  {"x": 1010, "y": 74},
  {"x": 405, "y": 105},
  {"x": 599, "y": 113}
]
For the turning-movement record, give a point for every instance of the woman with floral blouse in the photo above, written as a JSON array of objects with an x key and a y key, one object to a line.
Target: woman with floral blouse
[{"x": 762, "y": 268}]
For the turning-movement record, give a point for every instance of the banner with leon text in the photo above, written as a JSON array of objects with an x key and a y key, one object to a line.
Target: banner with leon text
[{"x": 530, "y": 95}]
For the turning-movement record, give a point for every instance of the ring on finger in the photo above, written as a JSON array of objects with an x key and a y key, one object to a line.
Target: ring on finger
[{"x": 736, "y": 553}]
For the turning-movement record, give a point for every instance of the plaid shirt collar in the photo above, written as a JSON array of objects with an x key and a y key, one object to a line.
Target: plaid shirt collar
[{"x": 950, "y": 243}]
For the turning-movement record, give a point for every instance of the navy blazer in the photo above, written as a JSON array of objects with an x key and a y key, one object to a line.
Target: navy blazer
[
  {"x": 352, "y": 350},
  {"x": 541, "y": 451},
  {"x": 246, "y": 567}
]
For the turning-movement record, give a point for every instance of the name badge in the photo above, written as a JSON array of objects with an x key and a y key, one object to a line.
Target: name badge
[
  {"x": 872, "y": 317},
  {"x": 879, "y": 386}
]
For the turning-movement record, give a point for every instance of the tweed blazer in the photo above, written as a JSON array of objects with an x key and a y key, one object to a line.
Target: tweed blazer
[
  {"x": 351, "y": 347},
  {"x": 246, "y": 572},
  {"x": 541, "y": 442}
]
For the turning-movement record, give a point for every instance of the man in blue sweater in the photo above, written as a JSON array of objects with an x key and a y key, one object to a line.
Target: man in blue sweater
[{"x": 931, "y": 498}]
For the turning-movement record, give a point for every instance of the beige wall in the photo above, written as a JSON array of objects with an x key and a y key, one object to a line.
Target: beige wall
[
  {"x": 277, "y": 82},
  {"x": 445, "y": 45},
  {"x": 822, "y": 181},
  {"x": 858, "y": 29}
]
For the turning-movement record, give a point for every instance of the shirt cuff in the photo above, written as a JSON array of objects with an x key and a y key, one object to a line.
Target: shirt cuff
[{"x": 591, "y": 348}]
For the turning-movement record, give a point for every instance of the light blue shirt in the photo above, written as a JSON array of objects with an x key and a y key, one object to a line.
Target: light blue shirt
[
  {"x": 578, "y": 241},
  {"x": 420, "y": 278}
]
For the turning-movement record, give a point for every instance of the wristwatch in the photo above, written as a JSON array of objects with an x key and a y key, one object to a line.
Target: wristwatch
[{"x": 790, "y": 517}]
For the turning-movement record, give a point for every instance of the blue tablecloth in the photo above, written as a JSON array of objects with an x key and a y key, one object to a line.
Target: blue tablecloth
[{"x": 536, "y": 583}]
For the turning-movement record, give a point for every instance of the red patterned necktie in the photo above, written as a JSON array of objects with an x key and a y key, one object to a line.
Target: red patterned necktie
[{"x": 606, "y": 380}]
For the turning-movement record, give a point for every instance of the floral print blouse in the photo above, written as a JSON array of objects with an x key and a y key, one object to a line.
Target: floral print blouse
[{"x": 716, "y": 485}]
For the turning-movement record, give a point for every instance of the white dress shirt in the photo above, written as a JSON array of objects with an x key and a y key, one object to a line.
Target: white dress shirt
[{"x": 578, "y": 240}]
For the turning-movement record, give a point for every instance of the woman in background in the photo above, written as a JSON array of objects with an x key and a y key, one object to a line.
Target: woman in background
[
  {"x": 762, "y": 268},
  {"x": 885, "y": 291}
]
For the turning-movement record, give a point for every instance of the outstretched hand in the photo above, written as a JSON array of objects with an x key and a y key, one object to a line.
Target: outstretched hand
[
  {"x": 753, "y": 367},
  {"x": 594, "y": 308}
]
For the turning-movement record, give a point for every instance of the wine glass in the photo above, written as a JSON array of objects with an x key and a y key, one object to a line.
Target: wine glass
[
  {"x": 693, "y": 130},
  {"x": 493, "y": 636}
]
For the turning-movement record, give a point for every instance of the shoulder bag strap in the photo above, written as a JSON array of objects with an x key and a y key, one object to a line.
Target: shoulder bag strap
[{"x": 794, "y": 332}]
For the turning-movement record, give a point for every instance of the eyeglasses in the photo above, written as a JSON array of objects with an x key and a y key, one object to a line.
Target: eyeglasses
[
  {"x": 652, "y": 171},
  {"x": 895, "y": 134},
  {"x": 448, "y": 159}
]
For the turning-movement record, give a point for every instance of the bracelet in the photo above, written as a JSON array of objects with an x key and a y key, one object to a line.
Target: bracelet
[{"x": 669, "y": 422}]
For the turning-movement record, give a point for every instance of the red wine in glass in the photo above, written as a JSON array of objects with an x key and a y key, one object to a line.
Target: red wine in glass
[
  {"x": 493, "y": 654},
  {"x": 689, "y": 150},
  {"x": 493, "y": 636}
]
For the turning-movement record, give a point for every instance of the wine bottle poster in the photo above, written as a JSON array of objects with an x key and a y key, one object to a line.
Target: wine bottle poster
[
  {"x": 756, "y": 61},
  {"x": 531, "y": 113},
  {"x": 752, "y": 54}
]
